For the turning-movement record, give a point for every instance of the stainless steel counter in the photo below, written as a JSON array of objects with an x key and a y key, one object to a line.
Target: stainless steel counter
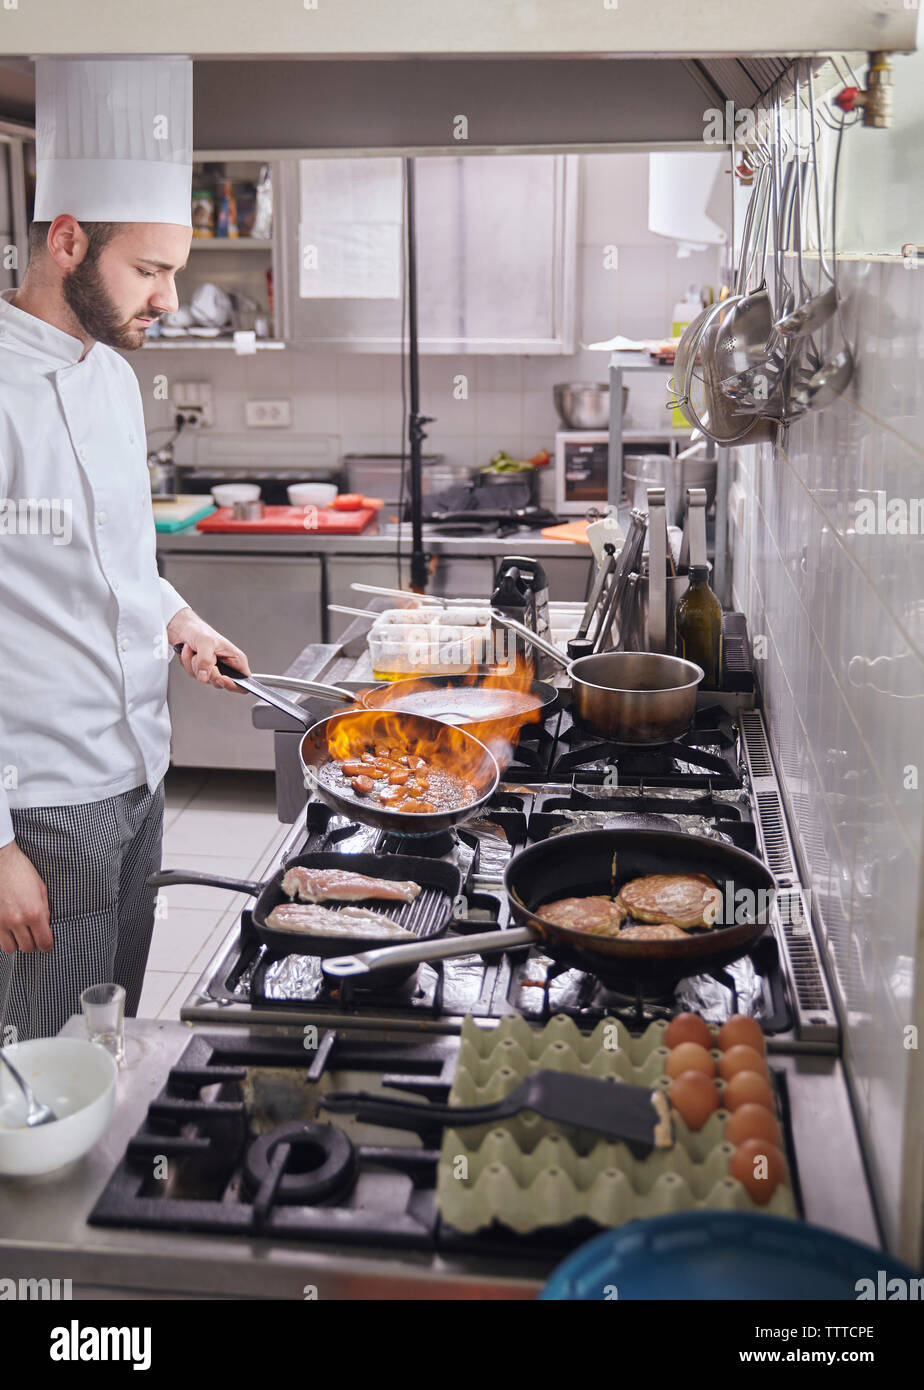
[
  {"x": 378, "y": 540},
  {"x": 44, "y": 1232}
]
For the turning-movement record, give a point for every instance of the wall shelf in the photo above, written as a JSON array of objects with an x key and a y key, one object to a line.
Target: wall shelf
[
  {"x": 240, "y": 243},
  {"x": 262, "y": 344}
]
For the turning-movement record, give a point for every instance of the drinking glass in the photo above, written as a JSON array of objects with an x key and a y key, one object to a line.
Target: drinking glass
[{"x": 104, "y": 1009}]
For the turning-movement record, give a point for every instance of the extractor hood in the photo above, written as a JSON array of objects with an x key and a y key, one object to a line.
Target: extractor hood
[
  {"x": 272, "y": 108},
  {"x": 418, "y": 75},
  {"x": 404, "y": 28}
]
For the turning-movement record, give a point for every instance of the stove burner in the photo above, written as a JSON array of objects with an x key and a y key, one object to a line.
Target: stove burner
[{"x": 321, "y": 1164}]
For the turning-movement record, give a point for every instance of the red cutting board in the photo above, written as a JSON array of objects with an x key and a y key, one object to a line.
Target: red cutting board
[{"x": 293, "y": 521}]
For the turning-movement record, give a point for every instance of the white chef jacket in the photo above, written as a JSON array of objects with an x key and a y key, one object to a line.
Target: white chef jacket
[{"x": 83, "y": 613}]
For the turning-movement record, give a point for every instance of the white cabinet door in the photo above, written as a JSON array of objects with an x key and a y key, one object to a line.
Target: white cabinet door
[
  {"x": 270, "y": 607},
  {"x": 496, "y": 246}
]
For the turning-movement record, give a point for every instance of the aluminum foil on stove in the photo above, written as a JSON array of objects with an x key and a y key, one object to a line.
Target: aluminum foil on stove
[{"x": 614, "y": 819}]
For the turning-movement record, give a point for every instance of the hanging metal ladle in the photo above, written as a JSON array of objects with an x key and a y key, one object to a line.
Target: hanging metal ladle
[{"x": 804, "y": 319}]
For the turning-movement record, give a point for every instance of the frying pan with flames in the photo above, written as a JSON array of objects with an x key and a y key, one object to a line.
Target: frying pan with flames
[{"x": 349, "y": 734}]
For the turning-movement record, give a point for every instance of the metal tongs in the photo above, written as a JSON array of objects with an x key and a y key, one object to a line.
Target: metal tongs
[
  {"x": 629, "y": 559},
  {"x": 581, "y": 644}
]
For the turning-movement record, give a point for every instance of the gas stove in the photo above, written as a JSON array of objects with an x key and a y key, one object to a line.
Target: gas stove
[
  {"x": 236, "y": 1122},
  {"x": 237, "y": 1142},
  {"x": 780, "y": 983},
  {"x": 706, "y": 756}
]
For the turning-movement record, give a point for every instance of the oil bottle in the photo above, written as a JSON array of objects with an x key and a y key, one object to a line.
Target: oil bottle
[{"x": 698, "y": 625}]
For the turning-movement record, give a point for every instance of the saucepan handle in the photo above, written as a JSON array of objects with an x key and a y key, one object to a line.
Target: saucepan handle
[
  {"x": 528, "y": 635},
  {"x": 384, "y": 957}
]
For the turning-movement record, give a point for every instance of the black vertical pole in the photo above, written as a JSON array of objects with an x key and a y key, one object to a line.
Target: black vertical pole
[{"x": 416, "y": 421}]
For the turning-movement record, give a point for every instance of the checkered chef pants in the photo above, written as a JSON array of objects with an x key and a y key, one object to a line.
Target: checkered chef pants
[{"x": 94, "y": 860}]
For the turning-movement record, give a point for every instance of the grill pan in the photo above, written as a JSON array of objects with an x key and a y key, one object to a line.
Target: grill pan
[
  {"x": 580, "y": 865},
  {"x": 427, "y": 916}
]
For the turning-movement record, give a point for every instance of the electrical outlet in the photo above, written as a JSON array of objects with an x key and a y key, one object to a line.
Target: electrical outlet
[
  {"x": 194, "y": 397},
  {"x": 267, "y": 415}
]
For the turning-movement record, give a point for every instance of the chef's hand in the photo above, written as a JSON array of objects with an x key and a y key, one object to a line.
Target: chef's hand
[
  {"x": 202, "y": 645},
  {"x": 23, "y": 904}
]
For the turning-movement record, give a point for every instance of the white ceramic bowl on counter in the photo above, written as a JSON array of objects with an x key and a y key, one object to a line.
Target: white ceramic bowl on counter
[
  {"x": 77, "y": 1078},
  {"x": 226, "y": 494},
  {"x": 311, "y": 494}
]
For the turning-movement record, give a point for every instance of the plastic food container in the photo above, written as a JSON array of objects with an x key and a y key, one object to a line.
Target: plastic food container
[
  {"x": 399, "y": 650},
  {"x": 379, "y": 475}
]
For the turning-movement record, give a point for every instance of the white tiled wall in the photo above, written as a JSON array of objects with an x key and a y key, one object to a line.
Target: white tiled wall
[
  {"x": 849, "y": 736},
  {"x": 356, "y": 398}
]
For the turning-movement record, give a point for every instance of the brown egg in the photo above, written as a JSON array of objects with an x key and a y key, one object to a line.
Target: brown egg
[
  {"x": 747, "y": 1087},
  {"x": 760, "y": 1167},
  {"x": 741, "y": 1058},
  {"x": 688, "y": 1028},
  {"x": 689, "y": 1056},
  {"x": 752, "y": 1121},
  {"x": 741, "y": 1029},
  {"x": 694, "y": 1096}
]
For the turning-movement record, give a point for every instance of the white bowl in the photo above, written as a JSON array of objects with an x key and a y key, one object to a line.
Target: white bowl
[
  {"x": 77, "y": 1078},
  {"x": 311, "y": 494},
  {"x": 226, "y": 494}
]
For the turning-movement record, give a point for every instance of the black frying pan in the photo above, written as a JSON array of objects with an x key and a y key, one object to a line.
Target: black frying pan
[
  {"x": 581, "y": 864},
  {"x": 444, "y": 746},
  {"x": 427, "y": 916}
]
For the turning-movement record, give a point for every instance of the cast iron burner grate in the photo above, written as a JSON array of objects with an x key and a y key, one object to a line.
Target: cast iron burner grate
[
  {"x": 250, "y": 1152},
  {"x": 237, "y": 1143},
  {"x": 538, "y": 988},
  {"x": 705, "y": 756}
]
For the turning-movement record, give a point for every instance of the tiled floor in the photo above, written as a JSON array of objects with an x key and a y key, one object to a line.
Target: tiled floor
[{"x": 219, "y": 822}]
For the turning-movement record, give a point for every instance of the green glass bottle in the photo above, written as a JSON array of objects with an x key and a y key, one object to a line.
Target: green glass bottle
[{"x": 698, "y": 625}]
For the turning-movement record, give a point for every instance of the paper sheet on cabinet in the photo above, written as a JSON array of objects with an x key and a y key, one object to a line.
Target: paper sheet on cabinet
[{"x": 350, "y": 228}]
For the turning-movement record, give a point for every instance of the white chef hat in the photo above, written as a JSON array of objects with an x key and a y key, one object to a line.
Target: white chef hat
[{"x": 114, "y": 139}]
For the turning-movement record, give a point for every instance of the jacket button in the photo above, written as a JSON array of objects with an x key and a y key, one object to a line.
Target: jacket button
[{"x": 125, "y": 644}]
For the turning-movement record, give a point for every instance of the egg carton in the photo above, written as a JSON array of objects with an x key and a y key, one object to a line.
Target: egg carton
[
  {"x": 609, "y": 1051},
  {"x": 528, "y": 1173},
  {"x": 554, "y": 1185}
]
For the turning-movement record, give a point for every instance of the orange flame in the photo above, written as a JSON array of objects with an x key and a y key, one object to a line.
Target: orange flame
[
  {"x": 498, "y": 732},
  {"x": 444, "y": 746}
]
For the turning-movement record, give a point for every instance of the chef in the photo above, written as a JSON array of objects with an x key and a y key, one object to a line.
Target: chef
[{"x": 86, "y": 626}]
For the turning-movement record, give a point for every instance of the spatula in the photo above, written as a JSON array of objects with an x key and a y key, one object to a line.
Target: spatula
[{"x": 634, "y": 1115}]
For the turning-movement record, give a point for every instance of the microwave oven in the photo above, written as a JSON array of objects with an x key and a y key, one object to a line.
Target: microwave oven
[{"x": 581, "y": 471}]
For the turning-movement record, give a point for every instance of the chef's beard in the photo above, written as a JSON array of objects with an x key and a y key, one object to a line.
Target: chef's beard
[{"x": 92, "y": 306}]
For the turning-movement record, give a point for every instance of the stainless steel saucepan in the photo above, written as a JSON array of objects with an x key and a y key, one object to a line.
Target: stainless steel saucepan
[{"x": 632, "y": 697}]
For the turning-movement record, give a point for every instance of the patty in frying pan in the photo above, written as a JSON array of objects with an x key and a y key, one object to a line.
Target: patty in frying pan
[
  {"x": 651, "y": 931},
  {"x": 599, "y": 915},
  {"x": 679, "y": 900}
]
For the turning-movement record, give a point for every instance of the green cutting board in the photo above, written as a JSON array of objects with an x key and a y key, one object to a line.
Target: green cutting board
[{"x": 188, "y": 508}]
